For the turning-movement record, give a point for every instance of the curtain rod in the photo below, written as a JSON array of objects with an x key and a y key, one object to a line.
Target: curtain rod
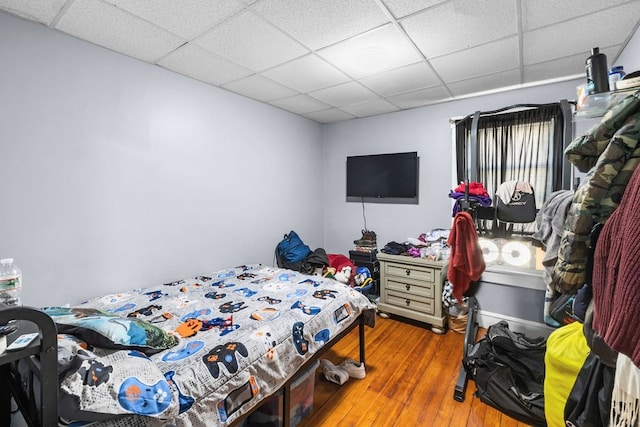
[{"x": 501, "y": 110}]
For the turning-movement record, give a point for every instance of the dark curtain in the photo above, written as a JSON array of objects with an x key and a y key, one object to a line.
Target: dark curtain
[{"x": 515, "y": 145}]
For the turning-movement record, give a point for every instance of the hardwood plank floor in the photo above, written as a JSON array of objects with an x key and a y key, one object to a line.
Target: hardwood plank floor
[{"x": 411, "y": 376}]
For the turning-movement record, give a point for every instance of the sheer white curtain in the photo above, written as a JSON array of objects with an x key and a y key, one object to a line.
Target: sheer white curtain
[{"x": 520, "y": 145}]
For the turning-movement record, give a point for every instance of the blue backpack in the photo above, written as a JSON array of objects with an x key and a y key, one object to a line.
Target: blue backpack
[{"x": 291, "y": 250}]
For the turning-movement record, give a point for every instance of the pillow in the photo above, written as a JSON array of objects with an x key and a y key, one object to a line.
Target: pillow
[{"x": 101, "y": 329}]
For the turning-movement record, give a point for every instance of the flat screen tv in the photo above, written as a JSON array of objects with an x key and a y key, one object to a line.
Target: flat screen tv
[{"x": 383, "y": 176}]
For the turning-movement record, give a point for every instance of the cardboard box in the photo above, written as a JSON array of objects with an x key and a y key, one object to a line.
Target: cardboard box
[{"x": 270, "y": 412}]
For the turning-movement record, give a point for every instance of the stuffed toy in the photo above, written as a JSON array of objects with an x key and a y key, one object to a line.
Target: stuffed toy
[
  {"x": 344, "y": 275},
  {"x": 341, "y": 268},
  {"x": 362, "y": 277}
]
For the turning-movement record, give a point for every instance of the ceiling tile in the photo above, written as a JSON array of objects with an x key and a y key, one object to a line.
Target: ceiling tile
[
  {"x": 306, "y": 74},
  {"x": 586, "y": 32},
  {"x": 43, "y": 11},
  {"x": 485, "y": 83},
  {"x": 186, "y": 18},
  {"x": 486, "y": 59},
  {"x": 554, "y": 69},
  {"x": 402, "y": 8},
  {"x": 196, "y": 62},
  {"x": 539, "y": 13},
  {"x": 370, "y": 108},
  {"x": 445, "y": 29},
  {"x": 378, "y": 50},
  {"x": 300, "y": 104},
  {"x": 419, "y": 97},
  {"x": 321, "y": 23},
  {"x": 250, "y": 46},
  {"x": 563, "y": 67},
  {"x": 251, "y": 42},
  {"x": 329, "y": 116},
  {"x": 260, "y": 88},
  {"x": 110, "y": 27},
  {"x": 344, "y": 94},
  {"x": 411, "y": 77}
]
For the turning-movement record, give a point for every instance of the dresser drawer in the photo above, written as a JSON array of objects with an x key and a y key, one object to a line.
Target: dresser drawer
[
  {"x": 410, "y": 271},
  {"x": 409, "y": 302},
  {"x": 419, "y": 289},
  {"x": 412, "y": 288}
]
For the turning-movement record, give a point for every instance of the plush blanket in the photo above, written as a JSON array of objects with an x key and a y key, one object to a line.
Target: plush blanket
[{"x": 201, "y": 351}]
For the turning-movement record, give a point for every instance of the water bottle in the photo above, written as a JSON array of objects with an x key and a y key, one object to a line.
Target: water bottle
[
  {"x": 597, "y": 75},
  {"x": 10, "y": 283},
  {"x": 615, "y": 73}
]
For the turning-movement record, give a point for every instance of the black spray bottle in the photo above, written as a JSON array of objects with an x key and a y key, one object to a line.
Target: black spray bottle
[{"x": 597, "y": 75}]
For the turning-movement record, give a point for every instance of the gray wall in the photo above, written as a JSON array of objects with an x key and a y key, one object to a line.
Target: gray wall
[
  {"x": 118, "y": 174},
  {"x": 630, "y": 56}
]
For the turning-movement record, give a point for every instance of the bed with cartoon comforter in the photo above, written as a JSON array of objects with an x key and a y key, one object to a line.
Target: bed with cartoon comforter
[{"x": 199, "y": 351}]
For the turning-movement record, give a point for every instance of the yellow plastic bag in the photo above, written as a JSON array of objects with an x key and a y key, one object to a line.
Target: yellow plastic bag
[{"x": 566, "y": 352}]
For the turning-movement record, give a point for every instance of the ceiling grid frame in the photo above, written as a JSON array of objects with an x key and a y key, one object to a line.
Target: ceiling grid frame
[{"x": 359, "y": 24}]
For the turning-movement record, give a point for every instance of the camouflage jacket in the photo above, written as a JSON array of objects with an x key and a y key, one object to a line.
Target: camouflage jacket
[{"x": 610, "y": 152}]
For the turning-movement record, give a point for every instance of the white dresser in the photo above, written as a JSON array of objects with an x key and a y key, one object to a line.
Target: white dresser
[{"x": 412, "y": 288}]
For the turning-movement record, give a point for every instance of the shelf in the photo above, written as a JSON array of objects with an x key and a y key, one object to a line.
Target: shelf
[{"x": 597, "y": 104}]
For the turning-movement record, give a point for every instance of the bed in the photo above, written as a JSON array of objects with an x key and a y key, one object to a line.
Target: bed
[{"x": 200, "y": 351}]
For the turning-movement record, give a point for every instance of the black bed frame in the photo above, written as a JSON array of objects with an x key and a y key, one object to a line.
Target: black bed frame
[{"x": 38, "y": 399}]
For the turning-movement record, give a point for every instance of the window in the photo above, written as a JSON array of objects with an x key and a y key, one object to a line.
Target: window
[{"x": 524, "y": 143}]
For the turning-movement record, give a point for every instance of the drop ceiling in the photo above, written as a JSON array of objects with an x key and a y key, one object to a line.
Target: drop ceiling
[{"x": 333, "y": 60}]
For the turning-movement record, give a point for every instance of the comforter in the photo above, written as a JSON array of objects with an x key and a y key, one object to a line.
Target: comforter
[{"x": 241, "y": 333}]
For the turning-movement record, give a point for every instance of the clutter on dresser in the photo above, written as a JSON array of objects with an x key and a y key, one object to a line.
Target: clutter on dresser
[{"x": 431, "y": 246}]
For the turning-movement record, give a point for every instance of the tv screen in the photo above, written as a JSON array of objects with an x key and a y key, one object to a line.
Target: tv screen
[{"x": 383, "y": 176}]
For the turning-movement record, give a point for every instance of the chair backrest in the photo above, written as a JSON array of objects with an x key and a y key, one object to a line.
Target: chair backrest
[{"x": 515, "y": 202}]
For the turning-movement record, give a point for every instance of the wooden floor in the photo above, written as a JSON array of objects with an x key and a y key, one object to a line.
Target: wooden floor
[{"x": 411, "y": 375}]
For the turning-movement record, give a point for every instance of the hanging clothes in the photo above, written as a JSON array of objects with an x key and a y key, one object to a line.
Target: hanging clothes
[
  {"x": 476, "y": 194},
  {"x": 616, "y": 276},
  {"x": 549, "y": 228},
  {"x": 625, "y": 399},
  {"x": 466, "y": 262},
  {"x": 610, "y": 153}
]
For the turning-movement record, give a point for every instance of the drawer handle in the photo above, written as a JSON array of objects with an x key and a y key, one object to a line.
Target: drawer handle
[
  {"x": 408, "y": 302},
  {"x": 408, "y": 287},
  {"x": 407, "y": 271}
]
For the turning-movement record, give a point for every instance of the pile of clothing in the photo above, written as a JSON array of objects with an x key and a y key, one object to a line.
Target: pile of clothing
[
  {"x": 477, "y": 195},
  {"x": 431, "y": 245}
]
